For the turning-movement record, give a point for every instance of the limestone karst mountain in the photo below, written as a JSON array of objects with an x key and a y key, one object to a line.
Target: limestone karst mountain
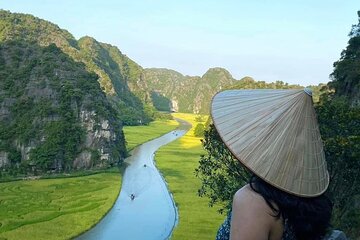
[
  {"x": 53, "y": 114},
  {"x": 116, "y": 72},
  {"x": 186, "y": 93}
]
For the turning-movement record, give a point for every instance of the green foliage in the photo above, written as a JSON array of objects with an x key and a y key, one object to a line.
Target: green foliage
[
  {"x": 114, "y": 69},
  {"x": 199, "y": 130},
  {"x": 129, "y": 116},
  {"x": 200, "y": 119},
  {"x": 346, "y": 74},
  {"x": 250, "y": 83},
  {"x": 339, "y": 117},
  {"x": 14, "y": 156},
  {"x": 160, "y": 102},
  {"x": 162, "y": 116},
  {"x": 43, "y": 103},
  {"x": 61, "y": 146},
  {"x": 317, "y": 90},
  {"x": 95, "y": 156},
  {"x": 208, "y": 122},
  {"x": 220, "y": 172},
  {"x": 340, "y": 131}
]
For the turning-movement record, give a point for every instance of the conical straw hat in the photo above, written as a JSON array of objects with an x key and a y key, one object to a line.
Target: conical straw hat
[{"x": 275, "y": 134}]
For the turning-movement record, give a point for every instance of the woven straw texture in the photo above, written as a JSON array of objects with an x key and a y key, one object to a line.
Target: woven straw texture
[{"x": 274, "y": 133}]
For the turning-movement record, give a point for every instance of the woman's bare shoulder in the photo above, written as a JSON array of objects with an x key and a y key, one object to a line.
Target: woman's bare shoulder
[
  {"x": 250, "y": 198},
  {"x": 250, "y": 215}
]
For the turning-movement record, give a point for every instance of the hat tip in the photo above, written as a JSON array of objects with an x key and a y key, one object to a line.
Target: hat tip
[{"x": 308, "y": 91}]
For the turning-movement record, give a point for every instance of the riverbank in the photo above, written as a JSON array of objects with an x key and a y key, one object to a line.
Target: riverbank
[
  {"x": 137, "y": 135},
  {"x": 177, "y": 162}
]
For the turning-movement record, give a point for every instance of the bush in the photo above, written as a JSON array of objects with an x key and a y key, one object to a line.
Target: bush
[
  {"x": 340, "y": 130},
  {"x": 199, "y": 130},
  {"x": 221, "y": 174}
]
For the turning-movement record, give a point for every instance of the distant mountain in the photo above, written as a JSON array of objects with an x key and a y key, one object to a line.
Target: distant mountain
[
  {"x": 117, "y": 73},
  {"x": 171, "y": 90},
  {"x": 185, "y": 93}
]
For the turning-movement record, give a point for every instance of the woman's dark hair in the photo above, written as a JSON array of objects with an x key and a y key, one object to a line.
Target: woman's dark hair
[{"x": 308, "y": 217}]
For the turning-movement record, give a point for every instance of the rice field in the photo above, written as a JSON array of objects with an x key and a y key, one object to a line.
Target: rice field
[
  {"x": 55, "y": 208},
  {"x": 177, "y": 162},
  {"x": 136, "y": 135},
  {"x": 64, "y": 208}
]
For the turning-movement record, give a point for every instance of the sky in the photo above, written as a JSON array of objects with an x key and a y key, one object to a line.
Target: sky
[{"x": 295, "y": 41}]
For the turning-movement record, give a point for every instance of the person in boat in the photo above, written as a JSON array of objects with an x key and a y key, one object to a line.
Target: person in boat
[{"x": 274, "y": 134}]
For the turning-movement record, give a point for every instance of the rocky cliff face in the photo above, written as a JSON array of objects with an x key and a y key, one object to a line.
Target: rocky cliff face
[
  {"x": 54, "y": 115},
  {"x": 99, "y": 137}
]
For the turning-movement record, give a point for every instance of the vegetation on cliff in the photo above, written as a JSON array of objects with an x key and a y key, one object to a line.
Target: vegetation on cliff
[
  {"x": 339, "y": 117},
  {"x": 47, "y": 104},
  {"x": 346, "y": 74},
  {"x": 115, "y": 71},
  {"x": 171, "y": 91}
]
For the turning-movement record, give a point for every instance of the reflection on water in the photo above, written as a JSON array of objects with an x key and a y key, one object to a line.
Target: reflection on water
[{"x": 152, "y": 213}]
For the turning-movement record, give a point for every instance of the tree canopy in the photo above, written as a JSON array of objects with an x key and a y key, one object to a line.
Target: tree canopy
[{"x": 346, "y": 74}]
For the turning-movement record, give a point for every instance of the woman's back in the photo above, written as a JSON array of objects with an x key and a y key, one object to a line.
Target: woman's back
[
  {"x": 261, "y": 211},
  {"x": 252, "y": 218}
]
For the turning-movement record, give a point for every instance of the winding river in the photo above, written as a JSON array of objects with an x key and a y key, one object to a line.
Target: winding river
[{"x": 152, "y": 213}]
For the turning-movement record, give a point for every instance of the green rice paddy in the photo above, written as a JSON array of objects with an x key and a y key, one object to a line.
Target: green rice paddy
[{"x": 55, "y": 208}]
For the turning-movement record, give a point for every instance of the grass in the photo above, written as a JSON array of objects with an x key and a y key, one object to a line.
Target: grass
[
  {"x": 56, "y": 208},
  {"x": 65, "y": 207},
  {"x": 136, "y": 135},
  {"x": 177, "y": 162}
]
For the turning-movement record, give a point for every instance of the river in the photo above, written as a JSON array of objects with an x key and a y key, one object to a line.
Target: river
[{"x": 152, "y": 214}]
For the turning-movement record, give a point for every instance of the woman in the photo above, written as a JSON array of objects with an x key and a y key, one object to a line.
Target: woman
[{"x": 274, "y": 134}]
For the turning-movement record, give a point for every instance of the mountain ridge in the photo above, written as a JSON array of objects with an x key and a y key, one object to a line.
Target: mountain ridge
[
  {"x": 25, "y": 27},
  {"x": 82, "y": 91},
  {"x": 173, "y": 91}
]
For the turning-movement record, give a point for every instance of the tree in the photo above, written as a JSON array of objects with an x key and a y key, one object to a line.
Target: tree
[
  {"x": 199, "y": 118},
  {"x": 220, "y": 172},
  {"x": 199, "y": 130},
  {"x": 339, "y": 118},
  {"x": 346, "y": 74},
  {"x": 339, "y": 124}
]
